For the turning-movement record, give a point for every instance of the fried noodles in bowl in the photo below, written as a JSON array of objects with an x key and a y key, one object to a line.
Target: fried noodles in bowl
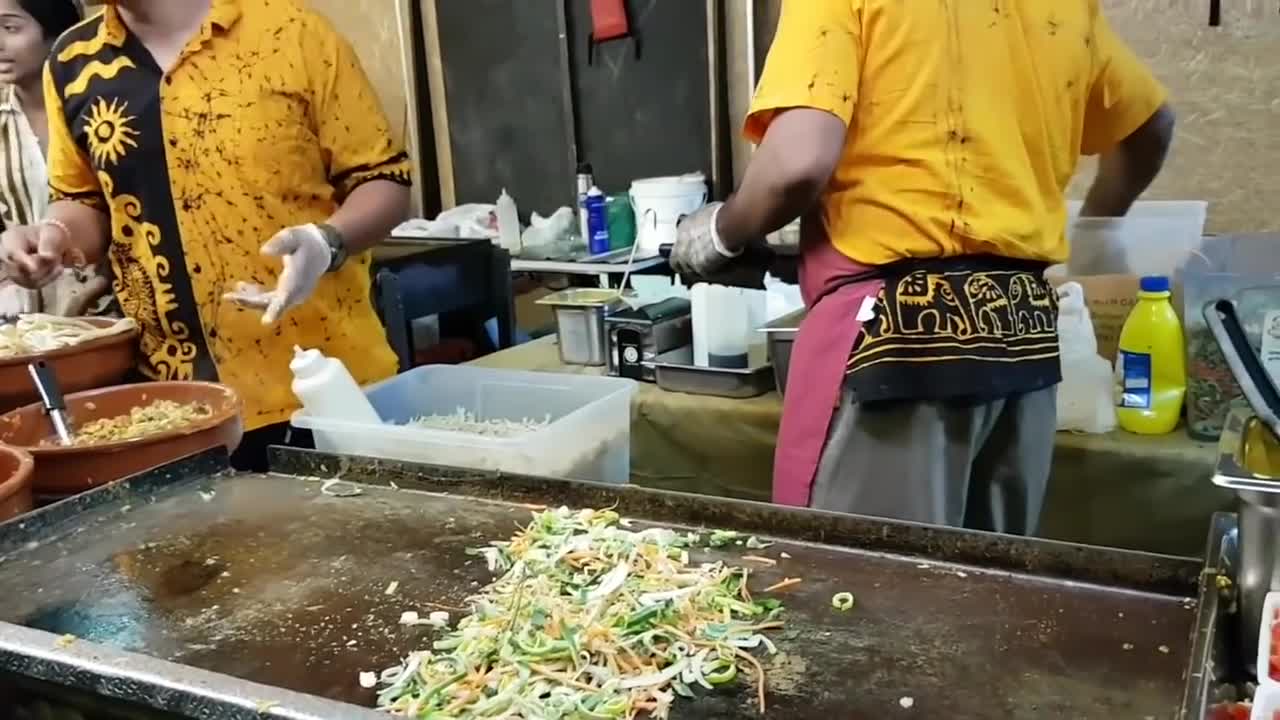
[{"x": 158, "y": 417}]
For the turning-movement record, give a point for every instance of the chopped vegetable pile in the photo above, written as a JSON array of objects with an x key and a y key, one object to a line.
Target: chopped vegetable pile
[
  {"x": 466, "y": 422},
  {"x": 589, "y": 621}
]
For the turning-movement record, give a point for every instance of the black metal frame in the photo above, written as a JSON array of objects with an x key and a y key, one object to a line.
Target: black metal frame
[{"x": 485, "y": 271}]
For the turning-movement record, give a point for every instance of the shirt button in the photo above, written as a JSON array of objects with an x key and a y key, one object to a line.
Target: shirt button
[
  {"x": 173, "y": 142},
  {"x": 168, "y": 80}
]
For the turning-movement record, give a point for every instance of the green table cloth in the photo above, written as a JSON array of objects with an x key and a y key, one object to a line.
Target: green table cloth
[{"x": 1118, "y": 490}]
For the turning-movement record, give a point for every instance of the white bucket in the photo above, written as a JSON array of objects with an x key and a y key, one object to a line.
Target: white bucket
[{"x": 659, "y": 203}]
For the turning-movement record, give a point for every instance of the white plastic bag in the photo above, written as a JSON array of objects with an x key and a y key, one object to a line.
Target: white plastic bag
[
  {"x": 550, "y": 232},
  {"x": 783, "y": 298},
  {"x": 470, "y": 222},
  {"x": 1086, "y": 401}
]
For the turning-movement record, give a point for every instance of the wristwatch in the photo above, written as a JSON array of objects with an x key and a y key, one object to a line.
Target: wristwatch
[{"x": 338, "y": 252}]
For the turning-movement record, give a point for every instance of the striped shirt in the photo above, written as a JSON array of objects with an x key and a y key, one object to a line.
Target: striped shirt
[{"x": 24, "y": 197}]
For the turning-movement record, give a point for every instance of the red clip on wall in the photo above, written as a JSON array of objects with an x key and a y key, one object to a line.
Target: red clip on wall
[{"x": 609, "y": 20}]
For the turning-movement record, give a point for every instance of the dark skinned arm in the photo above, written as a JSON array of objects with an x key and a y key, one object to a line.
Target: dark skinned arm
[
  {"x": 786, "y": 175},
  {"x": 370, "y": 213},
  {"x": 1126, "y": 171}
]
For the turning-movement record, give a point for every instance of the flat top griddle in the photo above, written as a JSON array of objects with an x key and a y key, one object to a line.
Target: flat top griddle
[{"x": 264, "y": 579}]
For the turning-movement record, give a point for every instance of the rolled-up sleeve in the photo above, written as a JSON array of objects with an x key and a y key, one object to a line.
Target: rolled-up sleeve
[
  {"x": 1124, "y": 94},
  {"x": 352, "y": 127},
  {"x": 71, "y": 175},
  {"x": 815, "y": 62}
]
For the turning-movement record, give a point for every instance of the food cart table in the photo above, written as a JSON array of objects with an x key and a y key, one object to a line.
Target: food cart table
[
  {"x": 605, "y": 273},
  {"x": 1118, "y": 490}
]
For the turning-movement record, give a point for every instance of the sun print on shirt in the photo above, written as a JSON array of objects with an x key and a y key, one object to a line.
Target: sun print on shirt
[{"x": 110, "y": 131}]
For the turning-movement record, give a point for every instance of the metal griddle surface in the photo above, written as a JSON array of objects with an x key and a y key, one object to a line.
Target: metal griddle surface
[{"x": 270, "y": 581}]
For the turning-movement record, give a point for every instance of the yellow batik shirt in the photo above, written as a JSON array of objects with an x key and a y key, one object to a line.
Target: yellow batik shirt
[
  {"x": 266, "y": 121},
  {"x": 966, "y": 119}
]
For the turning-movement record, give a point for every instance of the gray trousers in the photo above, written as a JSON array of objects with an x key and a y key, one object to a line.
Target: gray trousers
[{"x": 980, "y": 466}]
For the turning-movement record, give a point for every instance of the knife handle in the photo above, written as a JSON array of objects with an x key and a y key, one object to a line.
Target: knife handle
[{"x": 47, "y": 385}]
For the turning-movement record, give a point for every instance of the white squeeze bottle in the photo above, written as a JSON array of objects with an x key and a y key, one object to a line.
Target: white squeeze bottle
[
  {"x": 327, "y": 390},
  {"x": 508, "y": 223}
]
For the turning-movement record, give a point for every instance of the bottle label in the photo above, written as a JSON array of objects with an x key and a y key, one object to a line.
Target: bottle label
[
  {"x": 1271, "y": 345},
  {"x": 1133, "y": 370}
]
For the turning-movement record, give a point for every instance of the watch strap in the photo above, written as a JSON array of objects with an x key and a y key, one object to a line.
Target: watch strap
[{"x": 338, "y": 251}]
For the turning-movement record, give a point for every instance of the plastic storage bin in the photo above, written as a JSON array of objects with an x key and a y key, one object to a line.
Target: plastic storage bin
[
  {"x": 1155, "y": 238},
  {"x": 1245, "y": 268},
  {"x": 588, "y": 437}
]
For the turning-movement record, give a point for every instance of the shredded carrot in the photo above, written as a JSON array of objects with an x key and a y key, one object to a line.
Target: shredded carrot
[
  {"x": 759, "y": 670},
  {"x": 783, "y": 585},
  {"x": 761, "y": 560}
]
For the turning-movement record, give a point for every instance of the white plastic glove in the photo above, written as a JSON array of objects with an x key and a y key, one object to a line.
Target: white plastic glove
[
  {"x": 698, "y": 249},
  {"x": 306, "y": 256}
]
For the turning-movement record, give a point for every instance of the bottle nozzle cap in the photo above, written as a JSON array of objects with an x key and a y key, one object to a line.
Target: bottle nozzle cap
[
  {"x": 1154, "y": 284},
  {"x": 306, "y": 362}
]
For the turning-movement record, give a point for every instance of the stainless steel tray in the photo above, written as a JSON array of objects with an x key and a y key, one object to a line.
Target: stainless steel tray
[
  {"x": 781, "y": 334},
  {"x": 676, "y": 372}
]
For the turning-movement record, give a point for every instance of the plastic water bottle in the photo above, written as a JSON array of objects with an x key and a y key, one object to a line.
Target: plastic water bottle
[
  {"x": 585, "y": 181},
  {"x": 597, "y": 222},
  {"x": 1151, "y": 374},
  {"x": 327, "y": 390}
]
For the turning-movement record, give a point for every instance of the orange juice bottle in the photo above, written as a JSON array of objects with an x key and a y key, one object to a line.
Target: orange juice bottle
[{"x": 1151, "y": 374}]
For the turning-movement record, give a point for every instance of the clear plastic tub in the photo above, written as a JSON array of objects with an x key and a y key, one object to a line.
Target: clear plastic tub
[
  {"x": 1266, "y": 703},
  {"x": 1245, "y": 268},
  {"x": 1154, "y": 238},
  {"x": 588, "y": 436}
]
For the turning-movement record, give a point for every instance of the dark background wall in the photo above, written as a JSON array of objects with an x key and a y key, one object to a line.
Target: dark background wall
[{"x": 507, "y": 81}]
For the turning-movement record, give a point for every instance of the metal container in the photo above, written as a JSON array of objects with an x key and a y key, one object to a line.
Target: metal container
[
  {"x": 676, "y": 372},
  {"x": 580, "y": 314},
  {"x": 781, "y": 334},
  {"x": 1249, "y": 464},
  {"x": 637, "y": 337}
]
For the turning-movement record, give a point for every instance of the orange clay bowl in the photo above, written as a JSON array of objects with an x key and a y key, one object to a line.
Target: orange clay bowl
[
  {"x": 97, "y": 363},
  {"x": 64, "y": 471},
  {"x": 15, "y": 482}
]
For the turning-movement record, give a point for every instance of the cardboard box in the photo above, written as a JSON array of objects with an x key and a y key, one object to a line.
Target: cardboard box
[{"x": 1110, "y": 298}]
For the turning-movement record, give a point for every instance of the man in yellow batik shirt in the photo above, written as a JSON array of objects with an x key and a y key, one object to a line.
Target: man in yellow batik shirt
[
  {"x": 222, "y": 148},
  {"x": 928, "y": 147}
]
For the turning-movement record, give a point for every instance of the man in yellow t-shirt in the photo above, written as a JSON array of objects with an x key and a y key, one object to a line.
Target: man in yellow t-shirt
[
  {"x": 928, "y": 147},
  {"x": 232, "y": 160}
]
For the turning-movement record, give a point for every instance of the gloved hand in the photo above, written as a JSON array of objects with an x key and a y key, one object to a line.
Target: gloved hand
[
  {"x": 698, "y": 250},
  {"x": 34, "y": 255},
  {"x": 306, "y": 257}
]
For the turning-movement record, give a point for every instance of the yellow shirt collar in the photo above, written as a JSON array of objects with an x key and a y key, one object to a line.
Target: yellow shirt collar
[{"x": 223, "y": 14}]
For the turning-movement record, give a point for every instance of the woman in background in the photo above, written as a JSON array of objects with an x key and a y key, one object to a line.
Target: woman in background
[{"x": 27, "y": 31}]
